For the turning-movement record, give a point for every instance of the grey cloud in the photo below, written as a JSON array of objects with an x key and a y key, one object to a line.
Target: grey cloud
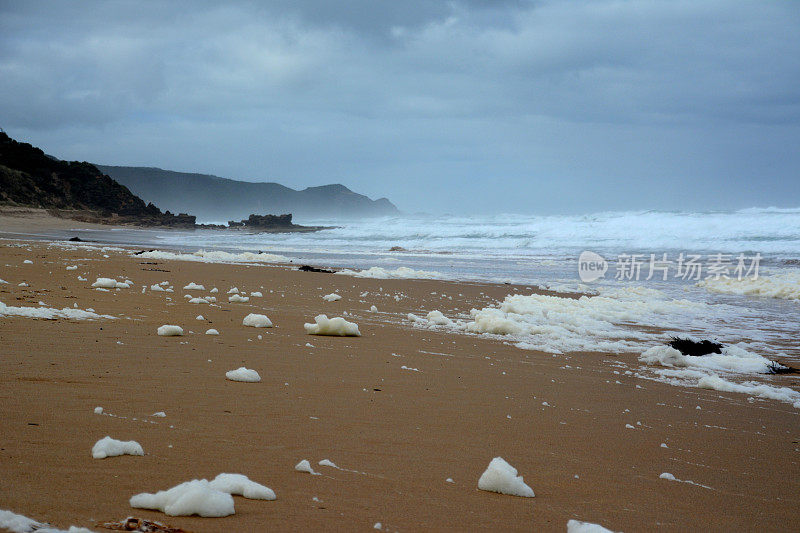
[{"x": 418, "y": 98}]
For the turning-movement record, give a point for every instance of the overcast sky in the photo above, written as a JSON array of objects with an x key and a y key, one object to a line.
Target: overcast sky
[{"x": 462, "y": 106}]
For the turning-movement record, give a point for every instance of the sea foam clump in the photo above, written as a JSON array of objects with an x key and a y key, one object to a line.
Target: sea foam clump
[
  {"x": 671, "y": 366},
  {"x": 785, "y": 285},
  {"x": 332, "y": 297},
  {"x": 305, "y": 466},
  {"x": 168, "y": 330},
  {"x": 555, "y": 324},
  {"x": 188, "y": 498},
  {"x": 50, "y": 313},
  {"x": 502, "y": 477},
  {"x": 238, "y": 484},
  {"x": 337, "y": 326},
  {"x": 22, "y": 524},
  {"x": 194, "y": 287},
  {"x": 105, "y": 283},
  {"x": 438, "y": 318},
  {"x": 243, "y": 374},
  {"x": 202, "y": 497},
  {"x": 257, "y": 321},
  {"x": 398, "y": 273},
  {"x": 108, "y": 447},
  {"x": 576, "y": 526},
  {"x": 732, "y": 359},
  {"x": 752, "y": 388}
]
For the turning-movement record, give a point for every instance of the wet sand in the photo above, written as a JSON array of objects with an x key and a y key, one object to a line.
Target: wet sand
[{"x": 403, "y": 432}]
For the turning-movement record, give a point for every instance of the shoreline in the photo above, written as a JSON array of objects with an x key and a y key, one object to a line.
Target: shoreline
[
  {"x": 399, "y": 410},
  {"x": 13, "y": 220}
]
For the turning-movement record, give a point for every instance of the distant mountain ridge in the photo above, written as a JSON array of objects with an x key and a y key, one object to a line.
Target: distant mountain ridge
[{"x": 214, "y": 198}]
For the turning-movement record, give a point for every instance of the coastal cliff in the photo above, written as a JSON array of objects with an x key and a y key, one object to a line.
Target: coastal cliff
[{"x": 78, "y": 190}]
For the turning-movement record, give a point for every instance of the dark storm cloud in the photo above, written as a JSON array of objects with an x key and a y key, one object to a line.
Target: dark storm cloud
[{"x": 514, "y": 105}]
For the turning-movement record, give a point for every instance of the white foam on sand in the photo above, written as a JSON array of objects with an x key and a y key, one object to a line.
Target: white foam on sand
[
  {"x": 671, "y": 366},
  {"x": 105, "y": 283},
  {"x": 108, "y": 447},
  {"x": 398, "y": 273},
  {"x": 194, "y": 287},
  {"x": 576, "y": 526},
  {"x": 502, "y": 477},
  {"x": 751, "y": 388},
  {"x": 202, "y": 497},
  {"x": 212, "y": 331},
  {"x": 305, "y": 466},
  {"x": 785, "y": 285},
  {"x": 670, "y": 477},
  {"x": 188, "y": 498},
  {"x": 555, "y": 324},
  {"x": 438, "y": 318},
  {"x": 18, "y": 523},
  {"x": 198, "y": 301},
  {"x": 332, "y": 297},
  {"x": 51, "y": 313},
  {"x": 168, "y": 330},
  {"x": 238, "y": 484},
  {"x": 733, "y": 358},
  {"x": 337, "y": 326},
  {"x": 257, "y": 321},
  {"x": 235, "y": 298},
  {"x": 216, "y": 256},
  {"x": 243, "y": 374}
]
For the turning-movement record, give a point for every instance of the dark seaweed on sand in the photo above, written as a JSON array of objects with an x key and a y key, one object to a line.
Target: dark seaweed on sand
[{"x": 690, "y": 347}]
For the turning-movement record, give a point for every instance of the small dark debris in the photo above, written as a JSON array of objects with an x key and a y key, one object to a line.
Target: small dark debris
[
  {"x": 148, "y": 263},
  {"x": 307, "y": 268},
  {"x": 140, "y": 524},
  {"x": 76, "y": 239},
  {"x": 690, "y": 347},
  {"x": 155, "y": 269},
  {"x": 377, "y": 390},
  {"x": 140, "y": 252},
  {"x": 32, "y": 424}
]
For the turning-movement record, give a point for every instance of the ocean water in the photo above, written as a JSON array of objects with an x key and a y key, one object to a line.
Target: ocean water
[
  {"x": 520, "y": 248},
  {"x": 544, "y": 250}
]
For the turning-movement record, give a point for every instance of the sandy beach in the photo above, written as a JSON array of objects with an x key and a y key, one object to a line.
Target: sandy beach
[{"x": 400, "y": 410}]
